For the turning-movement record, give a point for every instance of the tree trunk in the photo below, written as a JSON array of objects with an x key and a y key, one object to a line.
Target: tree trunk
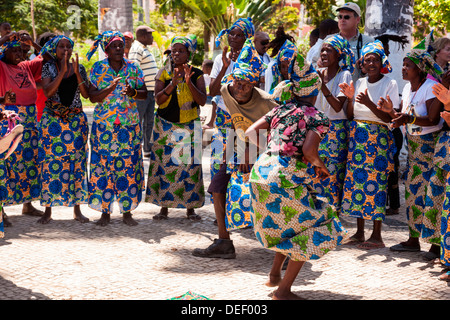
[
  {"x": 32, "y": 20},
  {"x": 391, "y": 17}
]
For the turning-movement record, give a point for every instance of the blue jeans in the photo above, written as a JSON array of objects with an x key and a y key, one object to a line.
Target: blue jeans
[{"x": 146, "y": 110}]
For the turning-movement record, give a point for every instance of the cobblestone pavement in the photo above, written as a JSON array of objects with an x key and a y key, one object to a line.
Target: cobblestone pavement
[{"x": 66, "y": 260}]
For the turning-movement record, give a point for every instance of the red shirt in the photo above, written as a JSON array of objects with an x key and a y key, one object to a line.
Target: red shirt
[{"x": 21, "y": 79}]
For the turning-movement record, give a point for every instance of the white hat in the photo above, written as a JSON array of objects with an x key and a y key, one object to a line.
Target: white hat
[{"x": 351, "y": 6}]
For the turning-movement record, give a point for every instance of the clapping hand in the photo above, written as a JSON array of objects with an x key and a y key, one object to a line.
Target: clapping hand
[
  {"x": 442, "y": 93},
  {"x": 188, "y": 73},
  {"x": 348, "y": 89}
]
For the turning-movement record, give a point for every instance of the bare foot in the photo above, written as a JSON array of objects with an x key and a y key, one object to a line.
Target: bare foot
[
  {"x": 274, "y": 280},
  {"x": 78, "y": 216},
  {"x": 105, "y": 219},
  {"x": 285, "y": 296},
  {"x": 29, "y": 210},
  {"x": 6, "y": 221},
  {"x": 128, "y": 220},
  {"x": 46, "y": 218}
]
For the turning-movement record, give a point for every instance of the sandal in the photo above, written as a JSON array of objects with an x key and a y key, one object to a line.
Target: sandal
[{"x": 191, "y": 215}]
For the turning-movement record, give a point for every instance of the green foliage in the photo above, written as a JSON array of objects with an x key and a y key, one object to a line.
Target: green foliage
[
  {"x": 286, "y": 16},
  {"x": 429, "y": 15},
  {"x": 51, "y": 15}
]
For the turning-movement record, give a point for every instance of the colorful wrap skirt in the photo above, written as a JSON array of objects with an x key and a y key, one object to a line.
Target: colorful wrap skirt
[
  {"x": 19, "y": 174},
  {"x": 175, "y": 176},
  {"x": 116, "y": 167},
  {"x": 238, "y": 204},
  {"x": 287, "y": 216},
  {"x": 421, "y": 151},
  {"x": 445, "y": 226},
  {"x": 369, "y": 162},
  {"x": 63, "y": 159},
  {"x": 435, "y": 192},
  {"x": 333, "y": 150}
]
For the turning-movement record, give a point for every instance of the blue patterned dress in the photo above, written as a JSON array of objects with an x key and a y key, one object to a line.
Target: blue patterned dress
[
  {"x": 63, "y": 146},
  {"x": 116, "y": 166}
]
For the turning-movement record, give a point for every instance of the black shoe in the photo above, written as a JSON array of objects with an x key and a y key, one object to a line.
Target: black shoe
[{"x": 221, "y": 248}]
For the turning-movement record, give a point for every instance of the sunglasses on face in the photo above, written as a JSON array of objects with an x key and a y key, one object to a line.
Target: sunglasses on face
[
  {"x": 346, "y": 17},
  {"x": 264, "y": 42}
]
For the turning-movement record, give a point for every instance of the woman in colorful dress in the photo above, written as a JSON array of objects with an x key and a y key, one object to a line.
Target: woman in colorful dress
[
  {"x": 19, "y": 174},
  {"x": 116, "y": 166},
  {"x": 420, "y": 112},
  {"x": 287, "y": 216},
  {"x": 175, "y": 177},
  {"x": 338, "y": 61},
  {"x": 371, "y": 146},
  {"x": 63, "y": 131}
]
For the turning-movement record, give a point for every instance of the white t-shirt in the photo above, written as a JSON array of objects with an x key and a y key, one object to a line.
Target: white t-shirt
[
  {"x": 418, "y": 99},
  {"x": 333, "y": 85},
  {"x": 383, "y": 87},
  {"x": 268, "y": 76},
  {"x": 217, "y": 66},
  {"x": 313, "y": 54}
]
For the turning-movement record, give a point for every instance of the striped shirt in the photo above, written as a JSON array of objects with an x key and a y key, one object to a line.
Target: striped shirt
[{"x": 145, "y": 60}]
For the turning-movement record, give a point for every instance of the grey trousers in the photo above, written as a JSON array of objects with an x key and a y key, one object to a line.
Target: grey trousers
[{"x": 146, "y": 110}]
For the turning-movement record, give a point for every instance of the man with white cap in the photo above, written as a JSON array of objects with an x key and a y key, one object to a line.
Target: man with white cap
[{"x": 349, "y": 17}]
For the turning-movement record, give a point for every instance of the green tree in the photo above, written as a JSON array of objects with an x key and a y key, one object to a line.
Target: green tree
[
  {"x": 76, "y": 16},
  {"x": 431, "y": 15}
]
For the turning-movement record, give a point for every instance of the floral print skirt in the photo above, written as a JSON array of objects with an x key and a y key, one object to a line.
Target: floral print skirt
[
  {"x": 19, "y": 174},
  {"x": 435, "y": 191},
  {"x": 116, "y": 168},
  {"x": 369, "y": 162},
  {"x": 175, "y": 176},
  {"x": 333, "y": 151},
  {"x": 421, "y": 150},
  {"x": 63, "y": 160},
  {"x": 287, "y": 216}
]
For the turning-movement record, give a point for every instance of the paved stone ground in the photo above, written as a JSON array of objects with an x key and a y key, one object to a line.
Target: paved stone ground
[{"x": 66, "y": 260}]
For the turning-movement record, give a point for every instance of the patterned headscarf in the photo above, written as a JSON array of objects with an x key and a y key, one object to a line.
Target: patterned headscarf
[
  {"x": 287, "y": 51},
  {"x": 7, "y": 45},
  {"x": 248, "y": 66},
  {"x": 245, "y": 24},
  {"x": 50, "y": 46},
  {"x": 422, "y": 56},
  {"x": 104, "y": 40},
  {"x": 377, "y": 48},
  {"x": 304, "y": 81},
  {"x": 190, "y": 42},
  {"x": 347, "y": 59}
]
